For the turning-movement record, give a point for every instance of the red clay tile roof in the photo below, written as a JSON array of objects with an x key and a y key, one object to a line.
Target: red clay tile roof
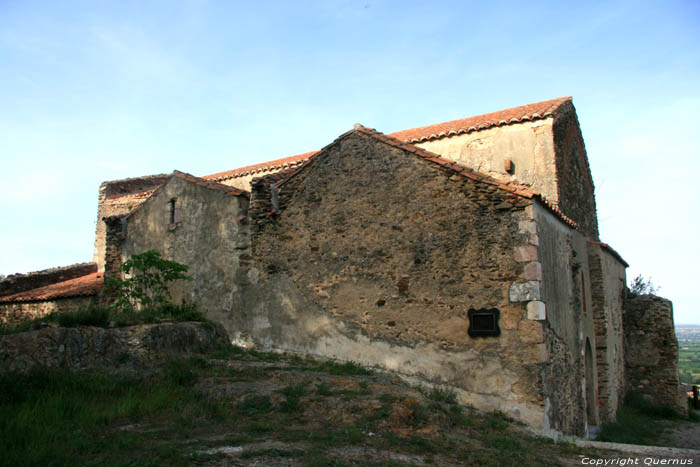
[
  {"x": 529, "y": 112},
  {"x": 277, "y": 164},
  {"x": 132, "y": 186},
  {"x": 523, "y": 113},
  {"x": 281, "y": 178},
  {"x": 233, "y": 191},
  {"x": 209, "y": 184},
  {"x": 83, "y": 286},
  {"x": 140, "y": 195}
]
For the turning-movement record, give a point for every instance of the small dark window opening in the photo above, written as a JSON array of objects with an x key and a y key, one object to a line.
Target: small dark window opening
[
  {"x": 123, "y": 223},
  {"x": 172, "y": 210},
  {"x": 484, "y": 323}
]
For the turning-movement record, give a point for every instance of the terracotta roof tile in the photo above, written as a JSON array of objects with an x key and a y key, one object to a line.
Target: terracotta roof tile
[
  {"x": 83, "y": 286},
  {"x": 529, "y": 112},
  {"x": 140, "y": 195},
  {"x": 212, "y": 185},
  {"x": 277, "y": 164}
]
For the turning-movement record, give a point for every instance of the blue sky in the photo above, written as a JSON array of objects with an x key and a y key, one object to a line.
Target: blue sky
[{"x": 96, "y": 90}]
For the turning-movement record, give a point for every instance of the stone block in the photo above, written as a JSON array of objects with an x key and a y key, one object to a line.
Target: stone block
[
  {"x": 524, "y": 291},
  {"x": 536, "y": 310},
  {"x": 530, "y": 332},
  {"x": 536, "y": 353},
  {"x": 533, "y": 271},
  {"x": 527, "y": 227},
  {"x": 525, "y": 254},
  {"x": 534, "y": 239},
  {"x": 510, "y": 317}
]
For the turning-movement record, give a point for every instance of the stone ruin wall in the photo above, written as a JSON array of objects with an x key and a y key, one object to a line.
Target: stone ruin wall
[
  {"x": 393, "y": 252},
  {"x": 15, "y": 313},
  {"x": 651, "y": 351}
]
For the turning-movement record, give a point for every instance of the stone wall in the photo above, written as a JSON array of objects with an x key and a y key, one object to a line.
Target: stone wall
[
  {"x": 608, "y": 289},
  {"x": 565, "y": 289},
  {"x": 127, "y": 348},
  {"x": 15, "y": 313},
  {"x": 208, "y": 235},
  {"x": 651, "y": 351},
  {"x": 576, "y": 193},
  {"x": 119, "y": 197},
  {"x": 375, "y": 255},
  {"x": 16, "y": 283}
]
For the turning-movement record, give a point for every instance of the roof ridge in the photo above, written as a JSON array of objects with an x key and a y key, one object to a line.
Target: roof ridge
[
  {"x": 528, "y": 112},
  {"x": 282, "y": 163},
  {"x": 212, "y": 185}
]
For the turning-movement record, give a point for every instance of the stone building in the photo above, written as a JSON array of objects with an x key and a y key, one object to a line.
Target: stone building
[{"x": 464, "y": 254}]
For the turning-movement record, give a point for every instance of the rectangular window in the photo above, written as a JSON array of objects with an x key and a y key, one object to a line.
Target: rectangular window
[
  {"x": 484, "y": 323},
  {"x": 172, "y": 210}
]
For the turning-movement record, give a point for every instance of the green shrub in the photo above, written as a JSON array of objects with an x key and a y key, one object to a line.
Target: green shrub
[{"x": 146, "y": 281}]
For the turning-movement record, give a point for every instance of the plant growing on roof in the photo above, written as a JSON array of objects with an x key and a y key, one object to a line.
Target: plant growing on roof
[{"x": 146, "y": 281}]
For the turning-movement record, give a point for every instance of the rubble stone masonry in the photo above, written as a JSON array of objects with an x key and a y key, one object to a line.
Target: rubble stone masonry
[
  {"x": 651, "y": 351},
  {"x": 398, "y": 249}
]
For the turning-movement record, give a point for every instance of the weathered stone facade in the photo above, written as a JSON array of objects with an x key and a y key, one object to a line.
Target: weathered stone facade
[
  {"x": 391, "y": 251},
  {"x": 193, "y": 222},
  {"x": 384, "y": 249},
  {"x": 652, "y": 366}
]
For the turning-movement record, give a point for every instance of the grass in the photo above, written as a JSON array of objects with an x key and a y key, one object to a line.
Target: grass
[
  {"x": 54, "y": 418},
  {"x": 293, "y": 394},
  {"x": 104, "y": 315},
  {"x": 638, "y": 422},
  {"x": 166, "y": 418},
  {"x": 344, "y": 369}
]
